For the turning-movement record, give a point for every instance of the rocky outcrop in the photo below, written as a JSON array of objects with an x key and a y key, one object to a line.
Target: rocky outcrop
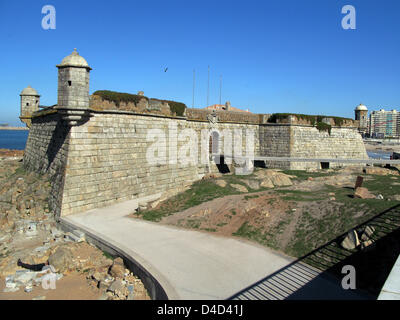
[{"x": 363, "y": 193}]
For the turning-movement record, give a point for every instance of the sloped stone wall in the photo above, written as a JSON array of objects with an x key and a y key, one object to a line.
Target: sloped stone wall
[
  {"x": 309, "y": 142},
  {"x": 108, "y": 159},
  {"x": 46, "y": 152}
]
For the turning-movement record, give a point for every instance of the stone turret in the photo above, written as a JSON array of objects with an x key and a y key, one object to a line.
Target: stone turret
[
  {"x": 73, "y": 87},
  {"x": 30, "y": 100},
  {"x": 361, "y": 114}
]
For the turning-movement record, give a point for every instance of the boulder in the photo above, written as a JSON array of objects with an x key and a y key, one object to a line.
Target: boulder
[
  {"x": 281, "y": 180},
  {"x": 367, "y": 234},
  {"x": 253, "y": 184},
  {"x": 239, "y": 187},
  {"x": 380, "y": 171},
  {"x": 396, "y": 197},
  {"x": 61, "y": 259},
  {"x": 363, "y": 193},
  {"x": 266, "y": 183},
  {"x": 367, "y": 245},
  {"x": 212, "y": 176},
  {"x": 117, "y": 269},
  {"x": 118, "y": 288},
  {"x": 351, "y": 241},
  {"x": 221, "y": 183}
]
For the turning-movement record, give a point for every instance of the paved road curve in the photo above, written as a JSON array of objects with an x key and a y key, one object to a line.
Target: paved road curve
[{"x": 189, "y": 264}]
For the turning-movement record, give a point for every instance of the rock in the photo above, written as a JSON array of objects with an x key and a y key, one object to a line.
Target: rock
[
  {"x": 367, "y": 245},
  {"x": 142, "y": 206},
  {"x": 212, "y": 176},
  {"x": 74, "y": 237},
  {"x": 131, "y": 292},
  {"x": 23, "y": 277},
  {"x": 239, "y": 187},
  {"x": 118, "y": 288},
  {"x": 281, "y": 180},
  {"x": 103, "y": 285},
  {"x": 363, "y": 193},
  {"x": 266, "y": 183},
  {"x": 98, "y": 276},
  {"x": 10, "y": 282},
  {"x": 380, "y": 171},
  {"x": 278, "y": 178},
  {"x": 253, "y": 184},
  {"x": 367, "y": 234},
  {"x": 79, "y": 234},
  {"x": 221, "y": 183},
  {"x": 28, "y": 289},
  {"x": 117, "y": 270},
  {"x": 103, "y": 296},
  {"x": 379, "y": 197},
  {"x": 351, "y": 241},
  {"x": 396, "y": 197},
  {"x": 61, "y": 259},
  {"x": 310, "y": 178},
  {"x": 8, "y": 290}
]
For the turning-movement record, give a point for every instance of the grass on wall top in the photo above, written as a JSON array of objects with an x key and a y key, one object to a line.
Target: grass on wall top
[
  {"x": 313, "y": 119},
  {"x": 117, "y": 97}
]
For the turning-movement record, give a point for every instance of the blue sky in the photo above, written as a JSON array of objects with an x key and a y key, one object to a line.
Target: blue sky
[{"x": 274, "y": 56}]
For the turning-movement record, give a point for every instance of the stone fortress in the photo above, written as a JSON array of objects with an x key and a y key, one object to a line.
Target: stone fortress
[{"x": 94, "y": 147}]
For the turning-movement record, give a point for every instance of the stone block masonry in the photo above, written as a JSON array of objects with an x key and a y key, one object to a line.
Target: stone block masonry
[
  {"x": 105, "y": 159},
  {"x": 46, "y": 151}
]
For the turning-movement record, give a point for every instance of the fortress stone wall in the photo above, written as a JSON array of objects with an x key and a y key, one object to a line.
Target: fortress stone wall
[{"x": 102, "y": 153}]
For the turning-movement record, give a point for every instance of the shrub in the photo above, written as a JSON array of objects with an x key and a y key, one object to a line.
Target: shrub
[
  {"x": 313, "y": 119},
  {"x": 322, "y": 126},
  {"x": 117, "y": 97}
]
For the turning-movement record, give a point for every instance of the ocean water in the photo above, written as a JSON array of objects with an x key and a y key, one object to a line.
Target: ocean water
[
  {"x": 379, "y": 155},
  {"x": 13, "y": 139}
]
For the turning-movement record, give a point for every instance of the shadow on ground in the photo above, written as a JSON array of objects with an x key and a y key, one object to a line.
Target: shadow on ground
[{"x": 318, "y": 275}]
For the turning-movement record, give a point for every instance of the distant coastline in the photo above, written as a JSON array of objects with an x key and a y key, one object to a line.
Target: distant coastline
[{"x": 14, "y": 128}]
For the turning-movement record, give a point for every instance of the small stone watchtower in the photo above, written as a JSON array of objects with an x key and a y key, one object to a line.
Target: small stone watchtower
[
  {"x": 30, "y": 100},
  {"x": 73, "y": 82},
  {"x": 361, "y": 114}
]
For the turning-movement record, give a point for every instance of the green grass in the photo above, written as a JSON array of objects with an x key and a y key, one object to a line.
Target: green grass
[
  {"x": 297, "y": 195},
  {"x": 251, "y": 197},
  {"x": 312, "y": 119},
  {"x": 312, "y": 232},
  {"x": 107, "y": 255},
  {"x": 201, "y": 191},
  {"x": 304, "y": 175},
  {"x": 178, "y": 108}
]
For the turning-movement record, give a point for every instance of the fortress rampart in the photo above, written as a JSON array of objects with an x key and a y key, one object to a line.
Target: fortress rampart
[{"x": 112, "y": 151}]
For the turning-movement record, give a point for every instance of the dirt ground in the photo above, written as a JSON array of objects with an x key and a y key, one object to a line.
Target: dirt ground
[
  {"x": 70, "y": 287},
  {"x": 28, "y": 231},
  {"x": 11, "y": 153},
  {"x": 293, "y": 219}
]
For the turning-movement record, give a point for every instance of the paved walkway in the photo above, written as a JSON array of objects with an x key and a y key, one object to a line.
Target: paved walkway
[{"x": 190, "y": 264}]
